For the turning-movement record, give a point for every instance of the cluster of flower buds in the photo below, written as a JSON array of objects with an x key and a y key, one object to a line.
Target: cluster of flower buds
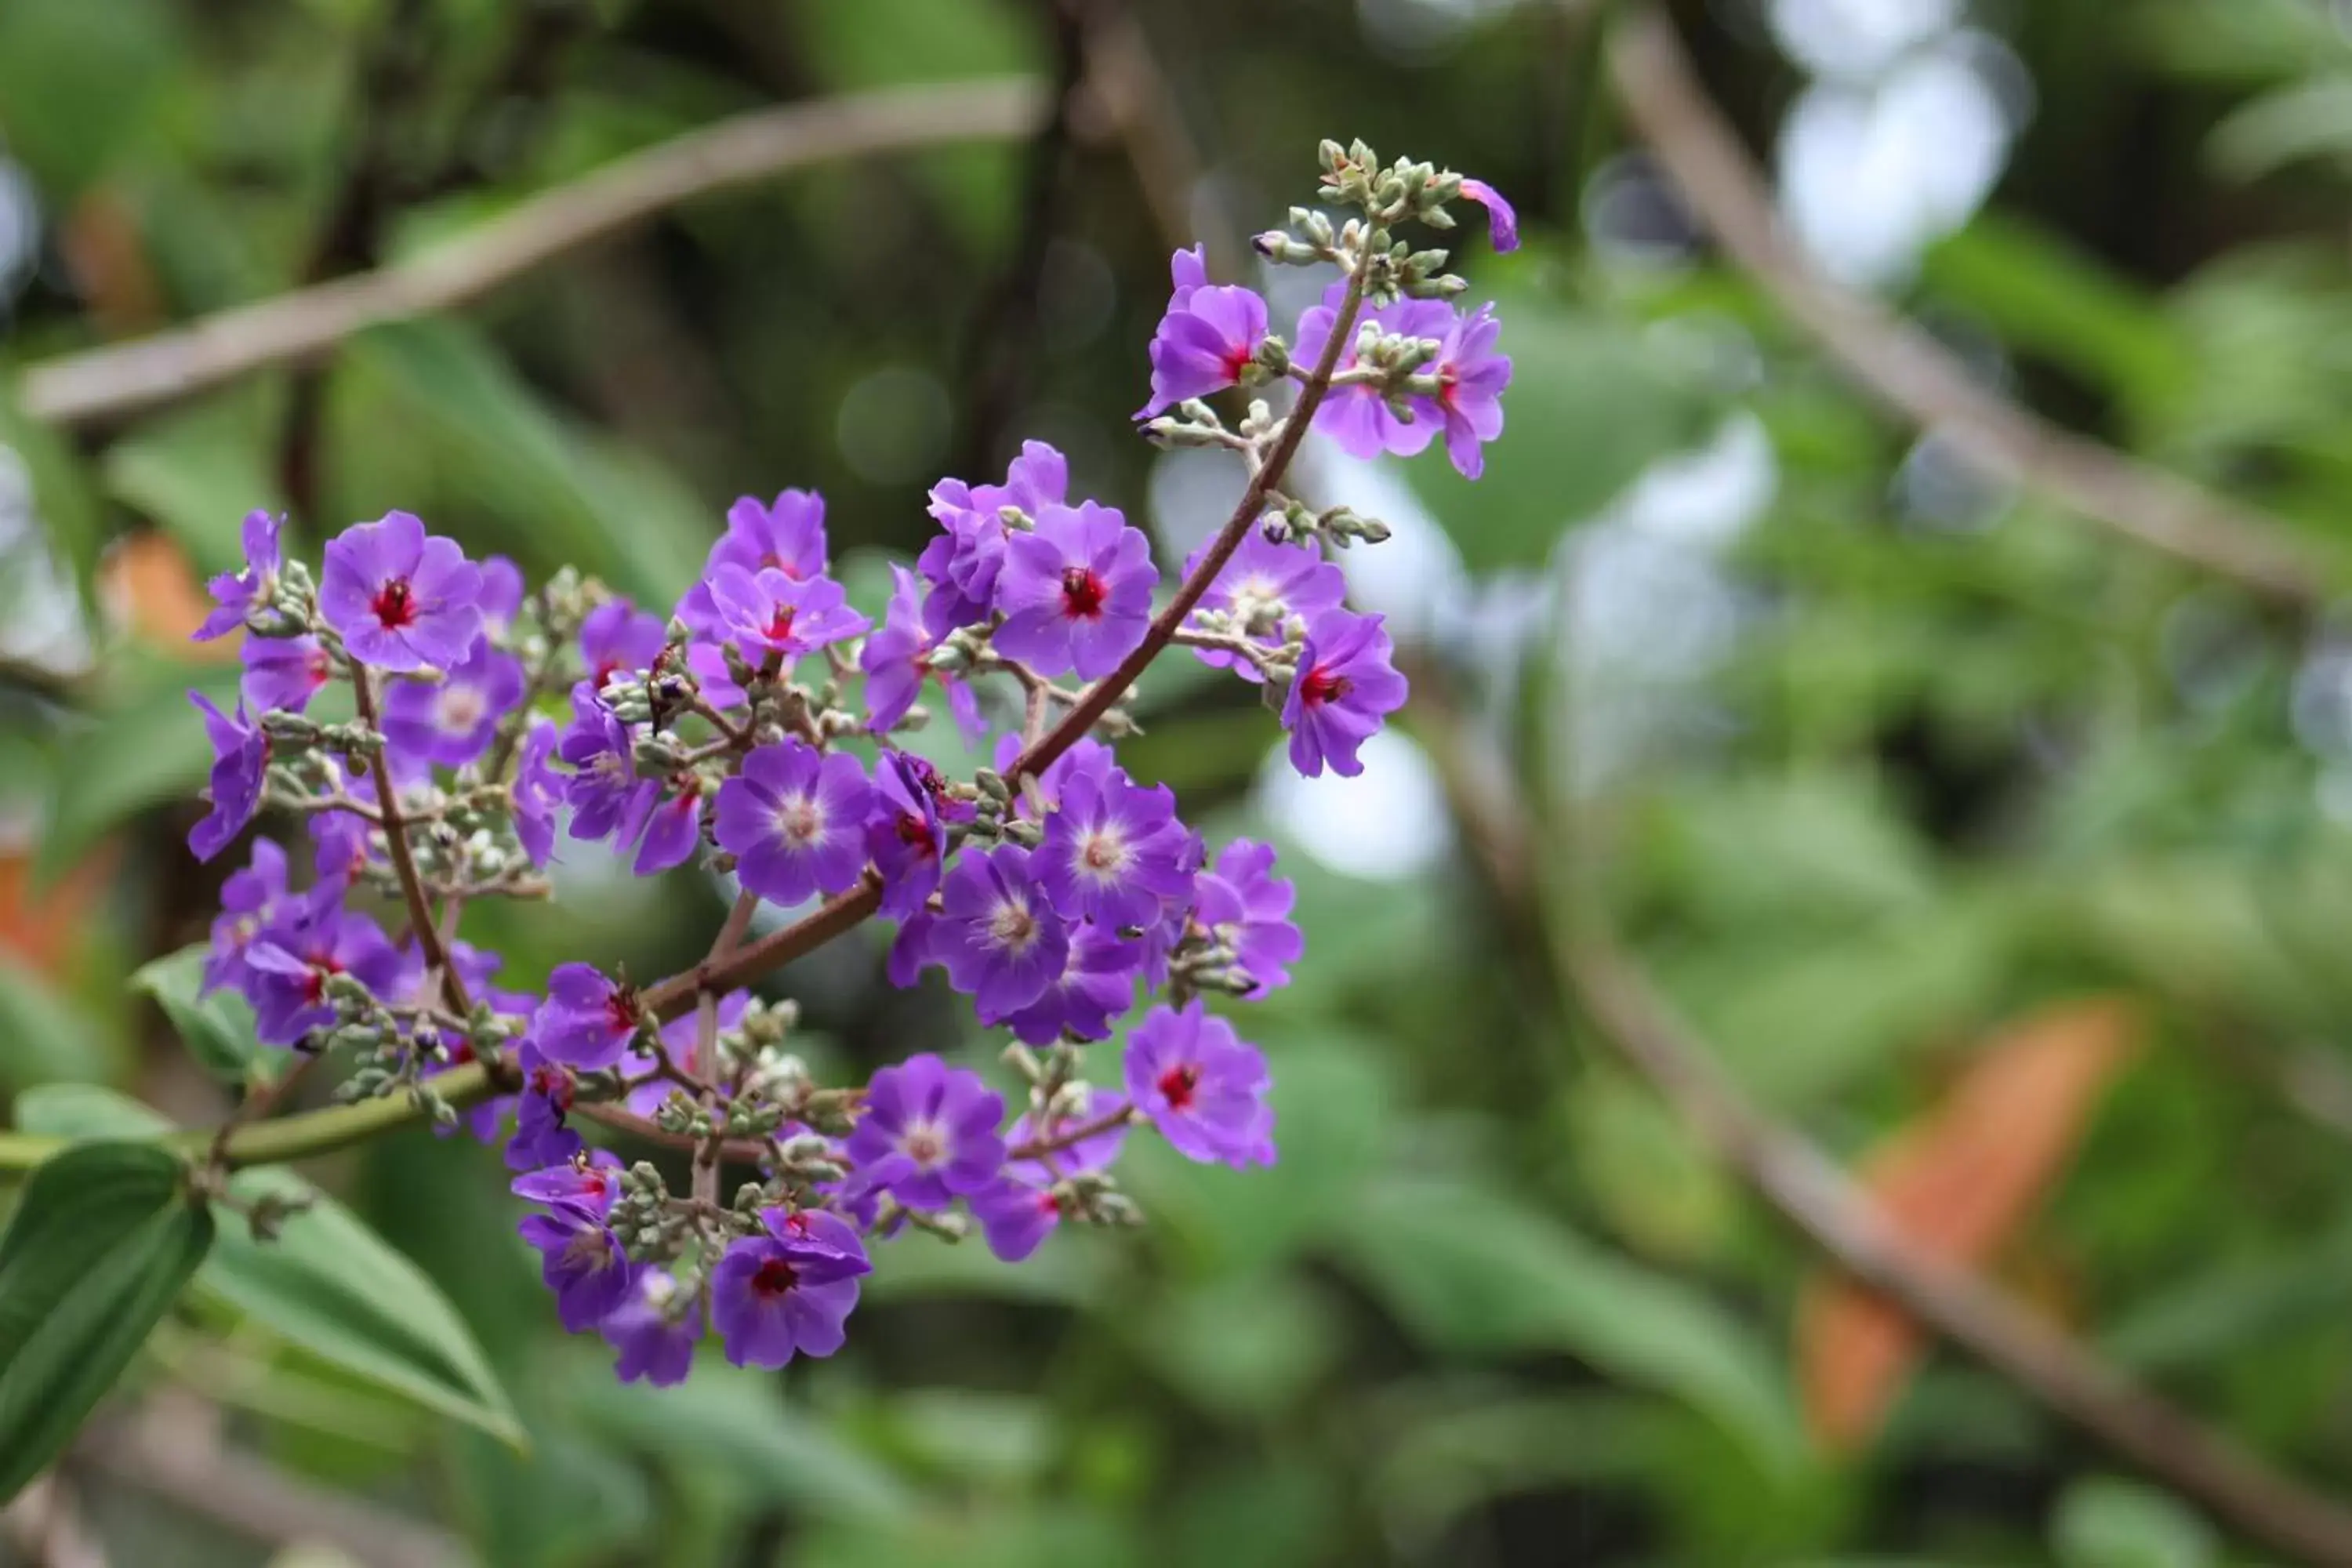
[{"x": 753, "y": 729}]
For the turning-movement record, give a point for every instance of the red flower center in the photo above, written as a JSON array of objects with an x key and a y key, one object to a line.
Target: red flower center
[
  {"x": 1320, "y": 685},
  {"x": 1177, "y": 1084},
  {"x": 780, "y": 625},
  {"x": 1237, "y": 358},
  {"x": 394, "y": 604},
  {"x": 621, "y": 1008},
  {"x": 774, "y": 1277},
  {"x": 322, "y": 964},
  {"x": 916, "y": 833},
  {"x": 1083, "y": 593},
  {"x": 317, "y": 668}
]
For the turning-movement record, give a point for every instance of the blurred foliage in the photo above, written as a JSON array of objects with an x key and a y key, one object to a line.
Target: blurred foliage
[{"x": 1872, "y": 753}]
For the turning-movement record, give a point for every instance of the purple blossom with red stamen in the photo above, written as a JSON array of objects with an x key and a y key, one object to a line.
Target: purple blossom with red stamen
[
  {"x": 787, "y": 1290},
  {"x": 541, "y": 1137},
  {"x": 672, "y": 830},
  {"x": 963, "y": 563},
  {"x": 1075, "y": 592},
  {"x": 906, "y": 836},
  {"x": 769, "y": 611},
  {"x": 249, "y": 901},
  {"x": 1346, "y": 684},
  {"x": 615, "y": 637},
  {"x": 786, "y": 535},
  {"x": 290, "y": 961},
  {"x": 587, "y": 1020},
  {"x": 1097, "y": 987},
  {"x": 401, "y": 599},
  {"x": 283, "y": 672},
  {"x": 1201, "y": 1086},
  {"x": 608, "y": 799},
  {"x": 1203, "y": 344},
  {"x": 1471, "y": 377}
]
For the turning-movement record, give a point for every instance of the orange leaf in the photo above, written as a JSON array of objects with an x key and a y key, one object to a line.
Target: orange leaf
[
  {"x": 147, "y": 583},
  {"x": 1959, "y": 1182}
]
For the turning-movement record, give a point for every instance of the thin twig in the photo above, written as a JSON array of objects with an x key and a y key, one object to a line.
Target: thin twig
[
  {"x": 421, "y": 923},
  {"x": 120, "y": 379},
  {"x": 1815, "y": 1196},
  {"x": 1913, "y": 374}
]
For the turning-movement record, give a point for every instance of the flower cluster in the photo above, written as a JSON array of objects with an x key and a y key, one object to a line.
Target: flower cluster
[{"x": 443, "y": 735}]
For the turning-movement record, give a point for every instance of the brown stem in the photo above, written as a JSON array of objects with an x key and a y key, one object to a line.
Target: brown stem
[
  {"x": 403, "y": 864},
  {"x": 1043, "y": 1148}
]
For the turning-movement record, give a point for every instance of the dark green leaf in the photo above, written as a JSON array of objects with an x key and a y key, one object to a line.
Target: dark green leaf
[
  {"x": 329, "y": 1284},
  {"x": 196, "y": 473},
  {"x": 148, "y": 749},
  {"x": 101, "y": 1244},
  {"x": 1472, "y": 1270},
  {"x": 219, "y": 1028}
]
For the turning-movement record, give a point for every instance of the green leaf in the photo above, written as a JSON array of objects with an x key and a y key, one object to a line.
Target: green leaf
[
  {"x": 219, "y": 1028},
  {"x": 329, "y": 1284},
  {"x": 1472, "y": 1272},
  {"x": 547, "y": 490},
  {"x": 197, "y": 472},
  {"x": 725, "y": 1420},
  {"x": 2104, "y": 1522},
  {"x": 1593, "y": 403},
  {"x": 149, "y": 749},
  {"x": 43, "y": 1037},
  {"x": 80, "y": 85},
  {"x": 98, "y": 1249}
]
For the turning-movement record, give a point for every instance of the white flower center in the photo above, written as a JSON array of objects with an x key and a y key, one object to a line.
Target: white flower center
[
  {"x": 924, "y": 1142},
  {"x": 799, "y": 822},
  {"x": 1013, "y": 928},
  {"x": 1103, "y": 854},
  {"x": 456, "y": 709},
  {"x": 1257, "y": 604}
]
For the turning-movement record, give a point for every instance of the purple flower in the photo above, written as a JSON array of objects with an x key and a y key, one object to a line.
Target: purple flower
[
  {"x": 1471, "y": 377},
  {"x": 237, "y": 594},
  {"x": 905, "y": 836},
  {"x": 450, "y": 722},
  {"x": 283, "y": 672},
  {"x": 582, "y": 1261},
  {"x": 289, "y": 964},
  {"x": 608, "y": 800},
  {"x": 589, "y": 1184},
  {"x": 928, "y": 1134},
  {"x": 1015, "y": 1216},
  {"x": 402, "y": 600},
  {"x": 654, "y": 1330},
  {"x": 1205, "y": 344},
  {"x": 774, "y": 612},
  {"x": 1075, "y": 590},
  {"x": 1087, "y": 756},
  {"x": 541, "y": 1138},
  {"x": 1356, "y": 416},
  {"x": 679, "y": 1039},
  {"x": 1345, "y": 684},
  {"x": 538, "y": 789},
  {"x": 1187, "y": 270},
  {"x": 587, "y": 1020},
  {"x": 1113, "y": 852},
  {"x": 1263, "y": 585},
  {"x": 997, "y": 932},
  {"x": 786, "y": 1291},
  {"x": 963, "y": 563},
  {"x": 795, "y": 821},
  {"x": 898, "y": 658},
  {"x": 249, "y": 901},
  {"x": 1248, "y": 909},
  {"x": 1096, "y": 985},
  {"x": 673, "y": 827},
  {"x": 1502, "y": 218},
  {"x": 500, "y": 597},
  {"x": 1202, "y": 1087},
  {"x": 787, "y": 535},
  {"x": 240, "y": 762},
  {"x": 615, "y": 637}
]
